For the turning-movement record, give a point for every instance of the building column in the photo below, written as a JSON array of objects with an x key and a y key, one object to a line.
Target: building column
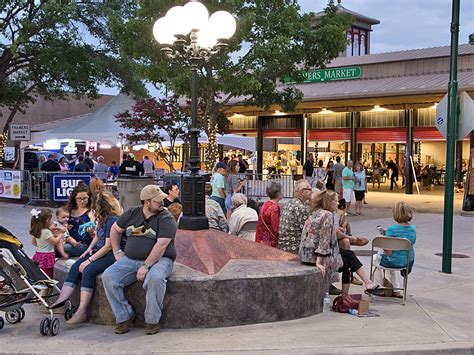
[
  {"x": 409, "y": 152},
  {"x": 359, "y": 152},
  {"x": 260, "y": 122},
  {"x": 372, "y": 152},
  {"x": 459, "y": 162},
  {"x": 346, "y": 152},
  {"x": 354, "y": 125},
  {"x": 304, "y": 139},
  {"x": 384, "y": 153}
]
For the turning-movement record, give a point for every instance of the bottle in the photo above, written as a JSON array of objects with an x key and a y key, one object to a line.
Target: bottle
[
  {"x": 354, "y": 312},
  {"x": 326, "y": 303}
]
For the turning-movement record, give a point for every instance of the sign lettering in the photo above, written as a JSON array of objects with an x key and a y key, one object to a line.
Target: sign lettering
[
  {"x": 322, "y": 75},
  {"x": 62, "y": 185}
]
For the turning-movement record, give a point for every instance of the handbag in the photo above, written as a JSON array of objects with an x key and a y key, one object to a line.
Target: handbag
[{"x": 344, "y": 302}]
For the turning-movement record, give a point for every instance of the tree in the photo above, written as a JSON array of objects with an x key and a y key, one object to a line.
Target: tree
[
  {"x": 54, "y": 48},
  {"x": 273, "y": 40},
  {"x": 151, "y": 119}
]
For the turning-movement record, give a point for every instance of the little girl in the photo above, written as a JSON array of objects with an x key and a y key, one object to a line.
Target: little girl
[
  {"x": 402, "y": 214},
  {"x": 43, "y": 239}
]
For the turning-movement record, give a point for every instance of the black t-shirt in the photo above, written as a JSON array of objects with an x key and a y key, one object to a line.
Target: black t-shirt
[
  {"x": 392, "y": 166},
  {"x": 131, "y": 168},
  {"x": 142, "y": 233},
  {"x": 243, "y": 167},
  {"x": 167, "y": 202},
  {"x": 82, "y": 167},
  {"x": 309, "y": 168},
  {"x": 50, "y": 165},
  {"x": 89, "y": 163}
]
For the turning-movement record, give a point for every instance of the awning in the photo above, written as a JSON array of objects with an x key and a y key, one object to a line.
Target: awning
[
  {"x": 341, "y": 134},
  {"x": 381, "y": 135}
]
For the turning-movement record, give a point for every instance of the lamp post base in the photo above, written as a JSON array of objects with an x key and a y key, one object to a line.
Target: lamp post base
[{"x": 194, "y": 204}]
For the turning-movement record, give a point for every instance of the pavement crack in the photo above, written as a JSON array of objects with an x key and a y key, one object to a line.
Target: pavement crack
[{"x": 433, "y": 319}]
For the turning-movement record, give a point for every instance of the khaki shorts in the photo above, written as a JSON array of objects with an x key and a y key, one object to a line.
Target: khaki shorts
[
  {"x": 338, "y": 186},
  {"x": 348, "y": 195}
]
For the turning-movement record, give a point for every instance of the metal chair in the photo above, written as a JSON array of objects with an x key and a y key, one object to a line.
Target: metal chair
[
  {"x": 248, "y": 230},
  {"x": 391, "y": 243}
]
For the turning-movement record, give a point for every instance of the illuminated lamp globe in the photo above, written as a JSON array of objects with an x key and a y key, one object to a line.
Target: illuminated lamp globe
[
  {"x": 161, "y": 31},
  {"x": 223, "y": 24},
  {"x": 206, "y": 38},
  {"x": 178, "y": 21},
  {"x": 196, "y": 15}
]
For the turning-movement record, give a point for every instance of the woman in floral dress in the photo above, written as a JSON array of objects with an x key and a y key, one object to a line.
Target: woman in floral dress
[{"x": 319, "y": 243}]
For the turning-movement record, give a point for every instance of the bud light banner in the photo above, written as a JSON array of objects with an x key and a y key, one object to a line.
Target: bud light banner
[{"x": 62, "y": 185}]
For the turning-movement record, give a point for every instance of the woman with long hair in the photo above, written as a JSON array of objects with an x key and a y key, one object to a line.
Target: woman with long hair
[
  {"x": 95, "y": 259},
  {"x": 232, "y": 185},
  {"x": 319, "y": 244},
  {"x": 79, "y": 208}
]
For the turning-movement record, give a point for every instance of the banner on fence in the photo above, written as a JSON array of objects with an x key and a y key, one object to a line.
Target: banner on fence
[
  {"x": 62, "y": 185},
  {"x": 10, "y": 184}
]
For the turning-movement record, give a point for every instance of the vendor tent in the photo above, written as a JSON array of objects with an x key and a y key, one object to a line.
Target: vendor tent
[{"x": 101, "y": 127}]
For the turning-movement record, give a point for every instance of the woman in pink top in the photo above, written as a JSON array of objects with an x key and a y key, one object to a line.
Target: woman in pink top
[{"x": 269, "y": 218}]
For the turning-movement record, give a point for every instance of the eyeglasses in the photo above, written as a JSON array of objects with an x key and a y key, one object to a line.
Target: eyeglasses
[
  {"x": 82, "y": 198},
  {"x": 307, "y": 189}
]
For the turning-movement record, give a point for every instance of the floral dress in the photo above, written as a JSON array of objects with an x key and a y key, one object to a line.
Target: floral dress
[
  {"x": 292, "y": 219},
  {"x": 319, "y": 239},
  {"x": 267, "y": 225}
]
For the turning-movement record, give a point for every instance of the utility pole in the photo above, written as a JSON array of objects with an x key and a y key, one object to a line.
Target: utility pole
[{"x": 452, "y": 126}]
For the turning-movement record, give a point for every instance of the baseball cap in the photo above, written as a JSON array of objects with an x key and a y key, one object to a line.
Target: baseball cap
[
  {"x": 131, "y": 155},
  {"x": 152, "y": 192},
  {"x": 221, "y": 165}
]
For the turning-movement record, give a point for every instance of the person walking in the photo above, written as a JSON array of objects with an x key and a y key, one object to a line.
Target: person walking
[
  {"x": 308, "y": 168},
  {"x": 338, "y": 168},
  {"x": 330, "y": 176},
  {"x": 348, "y": 185},
  {"x": 394, "y": 176},
  {"x": 360, "y": 187}
]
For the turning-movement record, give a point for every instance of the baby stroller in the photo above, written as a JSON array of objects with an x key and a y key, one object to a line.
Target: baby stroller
[{"x": 22, "y": 281}]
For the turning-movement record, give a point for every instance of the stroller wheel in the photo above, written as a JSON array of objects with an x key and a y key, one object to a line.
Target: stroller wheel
[
  {"x": 22, "y": 311},
  {"x": 54, "y": 329},
  {"x": 2, "y": 322},
  {"x": 13, "y": 317},
  {"x": 45, "y": 325}
]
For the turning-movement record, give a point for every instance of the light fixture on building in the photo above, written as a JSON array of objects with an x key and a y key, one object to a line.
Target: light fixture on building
[
  {"x": 105, "y": 146},
  {"x": 435, "y": 105},
  {"x": 277, "y": 112},
  {"x": 377, "y": 108},
  {"x": 325, "y": 111}
]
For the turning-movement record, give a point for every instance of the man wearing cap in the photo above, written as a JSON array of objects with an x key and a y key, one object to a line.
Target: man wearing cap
[
  {"x": 218, "y": 185},
  {"x": 130, "y": 166},
  {"x": 148, "y": 257}
]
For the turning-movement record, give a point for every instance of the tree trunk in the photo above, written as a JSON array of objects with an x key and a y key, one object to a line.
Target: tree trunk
[{"x": 4, "y": 135}]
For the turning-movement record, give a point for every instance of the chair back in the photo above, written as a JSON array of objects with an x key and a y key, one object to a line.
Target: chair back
[
  {"x": 250, "y": 226},
  {"x": 391, "y": 243}
]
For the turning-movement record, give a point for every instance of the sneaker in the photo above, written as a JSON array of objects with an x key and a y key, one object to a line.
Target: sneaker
[
  {"x": 151, "y": 329},
  {"x": 333, "y": 290},
  {"x": 124, "y": 327}
]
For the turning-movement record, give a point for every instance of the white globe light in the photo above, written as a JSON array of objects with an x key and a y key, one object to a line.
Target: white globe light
[
  {"x": 196, "y": 14},
  {"x": 206, "y": 38},
  {"x": 178, "y": 20},
  {"x": 161, "y": 31},
  {"x": 223, "y": 24}
]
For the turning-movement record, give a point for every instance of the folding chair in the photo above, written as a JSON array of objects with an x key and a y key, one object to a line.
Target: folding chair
[
  {"x": 391, "y": 243},
  {"x": 248, "y": 230}
]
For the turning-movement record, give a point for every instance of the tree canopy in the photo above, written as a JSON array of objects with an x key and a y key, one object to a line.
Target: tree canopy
[
  {"x": 51, "y": 48},
  {"x": 273, "y": 39}
]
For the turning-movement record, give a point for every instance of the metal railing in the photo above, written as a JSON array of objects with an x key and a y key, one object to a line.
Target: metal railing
[{"x": 256, "y": 184}]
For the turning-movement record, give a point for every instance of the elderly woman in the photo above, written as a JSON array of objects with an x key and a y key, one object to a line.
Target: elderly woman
[
  {"x": 241, "y": 215},
  {"x": 269, "y": 219},
  {"x": 293, "y": 217},
  {"x": 319, "y": 243}
]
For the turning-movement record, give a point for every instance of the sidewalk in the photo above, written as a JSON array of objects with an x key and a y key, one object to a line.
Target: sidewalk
[{"x": 438, "y": 316}]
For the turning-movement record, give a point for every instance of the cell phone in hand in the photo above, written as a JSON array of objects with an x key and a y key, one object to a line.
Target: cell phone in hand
[{"x": 380, "y": 229}]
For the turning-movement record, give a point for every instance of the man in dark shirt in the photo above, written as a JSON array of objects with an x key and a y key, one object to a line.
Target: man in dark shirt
[
  {"x": 308, "y": 167},
  {"x": 130, "y": 166},
  {"x": 243, "y": 165},
  {"x": 88, "y": 160},
  {"x": 172, "y": 190},
  {"x": 148, "y": 257},
  {"x": 81, "y": 167},
  {"x": 393, "y": 166},
  {"x": 50, "y": 165}
]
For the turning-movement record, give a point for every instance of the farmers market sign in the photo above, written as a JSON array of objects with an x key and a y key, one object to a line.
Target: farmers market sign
[{"x": 315, "y": 76}]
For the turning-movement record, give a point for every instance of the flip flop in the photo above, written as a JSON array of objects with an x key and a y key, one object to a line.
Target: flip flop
[{"x": 371, "y": 290}]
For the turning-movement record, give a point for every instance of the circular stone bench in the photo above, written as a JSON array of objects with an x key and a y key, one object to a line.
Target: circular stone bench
[{"x": 221, "y": 280}]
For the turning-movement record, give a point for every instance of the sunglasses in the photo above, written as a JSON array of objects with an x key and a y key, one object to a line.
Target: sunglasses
[{"x": 308, "y": 189}]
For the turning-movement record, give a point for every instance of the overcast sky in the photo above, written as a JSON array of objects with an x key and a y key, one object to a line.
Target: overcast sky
[{"x": 407, "y": 24}]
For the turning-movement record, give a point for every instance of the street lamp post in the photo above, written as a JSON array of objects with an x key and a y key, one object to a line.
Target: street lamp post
[{"x": 189, "y": 33}]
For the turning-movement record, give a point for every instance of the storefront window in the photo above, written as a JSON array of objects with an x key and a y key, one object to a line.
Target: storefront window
[
  {"x": 356, "y": 44},
  {"x": 349, "y": 45},
  {"x": 363, "y": 48}
]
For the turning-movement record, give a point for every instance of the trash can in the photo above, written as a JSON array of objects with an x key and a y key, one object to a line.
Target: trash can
[{"x": 129, "y": 188}]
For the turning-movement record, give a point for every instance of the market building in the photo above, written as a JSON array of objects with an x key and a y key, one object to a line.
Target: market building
[{"x": 364, "y": 107}]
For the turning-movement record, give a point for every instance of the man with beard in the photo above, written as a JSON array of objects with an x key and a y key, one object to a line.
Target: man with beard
[{"x": 148, "y": 257}]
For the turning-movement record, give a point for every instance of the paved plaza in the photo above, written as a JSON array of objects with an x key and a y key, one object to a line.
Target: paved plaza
[{"x": 438, "y": 316}]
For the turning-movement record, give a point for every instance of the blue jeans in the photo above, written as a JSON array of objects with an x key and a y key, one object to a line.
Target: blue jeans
[
  {"x": 87, "y": 278},
  {"x": 72, "y": 251},
  {"x": 221, "y": 202},
  {"x": 124, "y": 273}
]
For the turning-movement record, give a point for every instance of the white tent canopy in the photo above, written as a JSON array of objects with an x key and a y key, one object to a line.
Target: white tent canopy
[{"x": 101, "y": 127}]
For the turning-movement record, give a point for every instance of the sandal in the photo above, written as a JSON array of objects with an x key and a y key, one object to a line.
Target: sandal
[
  {"x": 372, "y": 289},
  {"x": 356, "y": 281}
]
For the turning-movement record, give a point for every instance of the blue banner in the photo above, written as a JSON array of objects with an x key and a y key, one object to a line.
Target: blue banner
[{"x": 62, "y": 185}]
